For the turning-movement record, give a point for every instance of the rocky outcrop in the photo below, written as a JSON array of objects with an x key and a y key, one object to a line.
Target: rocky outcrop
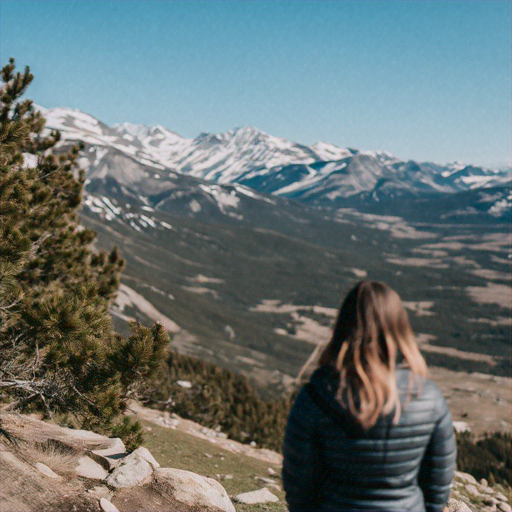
[
  {"x": 77, "y": 461},
  {"x": 456, "y": 506},
  {"x": 470, "y": 495}
]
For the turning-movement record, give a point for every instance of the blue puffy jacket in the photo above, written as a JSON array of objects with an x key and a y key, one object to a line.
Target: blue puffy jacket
[{"x": 330, "y": 463}]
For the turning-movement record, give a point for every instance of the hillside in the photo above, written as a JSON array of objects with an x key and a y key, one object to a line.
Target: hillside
[
  {"x": 64, "y": 469},
  {"x": 243, "y": 244},
  {"x": 259, "y": 292}
]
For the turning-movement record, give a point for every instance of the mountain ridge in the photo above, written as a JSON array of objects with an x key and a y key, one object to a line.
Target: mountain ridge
[
  {"x": 322, "y": 173},
  {"x": 214, "y": 257}
]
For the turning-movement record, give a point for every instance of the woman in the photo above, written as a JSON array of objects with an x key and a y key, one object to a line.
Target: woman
[{"x": 364, "y": 433}]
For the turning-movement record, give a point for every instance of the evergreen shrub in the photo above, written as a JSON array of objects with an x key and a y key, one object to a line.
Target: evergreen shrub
[{"x": 60, "y": 353}]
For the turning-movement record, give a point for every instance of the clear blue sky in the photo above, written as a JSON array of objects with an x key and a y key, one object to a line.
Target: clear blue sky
[{"x": 428, "y": 80}]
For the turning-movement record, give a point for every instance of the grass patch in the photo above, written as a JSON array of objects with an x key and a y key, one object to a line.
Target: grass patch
[{"x": 177, "y": 449}]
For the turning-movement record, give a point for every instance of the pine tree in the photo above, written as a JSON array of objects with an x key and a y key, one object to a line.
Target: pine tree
[{"x": 60, "y": 352}]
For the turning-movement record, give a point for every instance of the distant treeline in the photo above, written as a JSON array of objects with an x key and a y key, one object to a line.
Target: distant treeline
[
  {"x": 222, "y": 398},
  {"x": 219, "y": 398},
  {"x": 488, "y": 457}
]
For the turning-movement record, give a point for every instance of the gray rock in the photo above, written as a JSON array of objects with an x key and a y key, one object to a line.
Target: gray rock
[
  {"x": 270, "y": 483},
  {"x": 471, "y": 489},
  {"x": 465, "y": 477},
  {"x": 501, "y": 496},
  {"x": 265, "y": 480},
  {"x": 45, "y": 470},
  {"x": 109, "y": 457},
  {"x": 456, "y": 506},
  {"x": 133, "y": 470},
  {"x": 484, "y": 482},
  {"x": 504, "y": 506},
  {"x": 260, "y": 496},
  {"x": 107, "y": 506},
  {"x": 197, "y": 491},
  {"x": 90, "y": 469},
  {"x": 272, "y": 472}
]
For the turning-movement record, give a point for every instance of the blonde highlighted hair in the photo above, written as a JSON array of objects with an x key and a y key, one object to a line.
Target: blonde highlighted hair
[{"x": 371, "y": 329}]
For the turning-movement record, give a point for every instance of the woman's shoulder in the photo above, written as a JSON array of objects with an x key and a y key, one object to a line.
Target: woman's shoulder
[
  {"x": 321, "y": 387},
  {"x": 325, "y": 380},
  {"x": 420, "y": 389}
]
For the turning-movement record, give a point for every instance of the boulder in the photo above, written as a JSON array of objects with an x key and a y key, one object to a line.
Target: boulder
[
  {"x": 197, "y": 491},
  {"x": 45, "y": 470},
  {"x": 90, "y": 469},
  {"x": 260, "y": 496},
  {"x": 456, "y": 506},
  {"x": 109, "y": 457},
  {"x": 504, "y": 506},
  {"x": 134, "y": 469}
]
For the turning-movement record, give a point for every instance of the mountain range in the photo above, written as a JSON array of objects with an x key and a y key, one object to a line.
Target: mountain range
[
  {"x": 242, "y": 244},
  {"x": 320, "y": 174}
]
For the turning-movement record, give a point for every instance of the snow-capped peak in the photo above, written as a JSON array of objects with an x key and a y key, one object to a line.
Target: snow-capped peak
[
  {"x": 250, "y": 156},
  {"x": 139, "y": 131},
  {"x": 330, "y": 152},
  {"x": 384, "y": 157}
]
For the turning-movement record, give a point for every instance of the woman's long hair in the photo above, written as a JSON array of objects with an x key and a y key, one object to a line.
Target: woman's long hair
[{"x": 371, "y": 329}]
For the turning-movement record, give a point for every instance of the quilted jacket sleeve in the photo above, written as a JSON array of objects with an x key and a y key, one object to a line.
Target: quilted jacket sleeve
[
  {"x": 438, "y": 465},
  {"x": 301, "y": 468}
]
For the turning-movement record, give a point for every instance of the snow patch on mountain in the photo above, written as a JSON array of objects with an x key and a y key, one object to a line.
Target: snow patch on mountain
[
  {"x": 501, "y": 206},
  {"x": 329, "y": 152}
]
